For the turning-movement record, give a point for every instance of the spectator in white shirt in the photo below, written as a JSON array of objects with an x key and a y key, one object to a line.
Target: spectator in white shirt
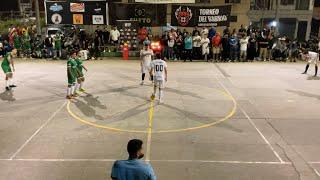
[
  {"x": 205, "y": 46},
  {"x": 114, "y": 35},
  {"x": 196, "y": 46},
  {"x": 171, "y": 43},
  {"x": 243, "y": 47}
]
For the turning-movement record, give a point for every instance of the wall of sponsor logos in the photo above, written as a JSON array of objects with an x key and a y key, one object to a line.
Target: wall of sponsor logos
[{"x": 78, "y": 13}]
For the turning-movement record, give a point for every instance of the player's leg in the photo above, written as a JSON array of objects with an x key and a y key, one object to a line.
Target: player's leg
[
  {"x": 315, "y": 68},
  {"x": 81, "y": 85},
  {"x": 154, "y": 90},
  {"x": 161, "y": 86},
  {"x": 306, "y": 69},
  {"x": 7, "y": 83},
  {"x": 11, "y": 84},
  {"x": 142, "y": 78}
]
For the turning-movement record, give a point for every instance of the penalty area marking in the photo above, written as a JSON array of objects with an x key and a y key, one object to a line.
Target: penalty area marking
[{"x": 223, "y": 92}]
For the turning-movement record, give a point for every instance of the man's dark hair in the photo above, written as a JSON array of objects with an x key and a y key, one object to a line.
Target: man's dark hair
[
  {"x": 133, "y": 147},
  {"x": 158, "y": 56}
]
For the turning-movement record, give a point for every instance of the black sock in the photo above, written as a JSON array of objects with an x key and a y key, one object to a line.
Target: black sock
[
  {"x": 316, "y": 70},
  {"x": 307, "y": 67},
  {"x": 143, "y": 75}
]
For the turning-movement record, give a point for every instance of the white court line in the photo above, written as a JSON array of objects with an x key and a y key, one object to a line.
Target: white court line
[
  {"x": 38, "y": 130},
  {"x": 172, "y": 161},
  {"x": 254, "y": 125}
]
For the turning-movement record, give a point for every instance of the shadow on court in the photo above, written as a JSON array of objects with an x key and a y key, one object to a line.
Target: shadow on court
[
  {"x": 305, "y": 94},
  {"x": 7, "y": 96}
]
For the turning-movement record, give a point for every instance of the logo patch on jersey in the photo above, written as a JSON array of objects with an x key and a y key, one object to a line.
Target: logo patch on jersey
[{"x": 183, "y": 15}]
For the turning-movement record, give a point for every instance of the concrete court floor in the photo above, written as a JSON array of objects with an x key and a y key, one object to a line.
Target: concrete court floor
[{"x": 224, "y": 121}]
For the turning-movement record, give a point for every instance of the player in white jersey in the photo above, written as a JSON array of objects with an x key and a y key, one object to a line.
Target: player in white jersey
[
  {"x": 160, "y": 75},
  {"x": 146, "y": 55},
  {"x": 311, "y": 58}
]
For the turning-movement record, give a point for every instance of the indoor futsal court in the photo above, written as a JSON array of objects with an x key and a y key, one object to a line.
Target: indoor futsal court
[{"x": 224, "y": 121}]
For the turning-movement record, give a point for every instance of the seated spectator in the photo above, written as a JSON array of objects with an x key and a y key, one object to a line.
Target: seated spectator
[{"x": 133, "y": 168}]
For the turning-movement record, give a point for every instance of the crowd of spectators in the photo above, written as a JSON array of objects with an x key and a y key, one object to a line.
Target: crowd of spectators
[{"x": 244, "y": 44}]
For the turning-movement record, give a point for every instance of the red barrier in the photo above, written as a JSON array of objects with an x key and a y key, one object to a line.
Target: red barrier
[{"x": 125, "y": 52}]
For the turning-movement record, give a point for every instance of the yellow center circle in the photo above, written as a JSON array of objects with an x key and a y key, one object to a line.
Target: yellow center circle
[{"x": 228, "y": 116}]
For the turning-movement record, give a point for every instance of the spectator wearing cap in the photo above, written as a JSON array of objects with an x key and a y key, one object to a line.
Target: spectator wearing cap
[{"x": 133, "y": 168}]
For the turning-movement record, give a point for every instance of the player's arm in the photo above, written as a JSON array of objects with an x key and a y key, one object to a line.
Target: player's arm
[{"x": 166, "y": 73}]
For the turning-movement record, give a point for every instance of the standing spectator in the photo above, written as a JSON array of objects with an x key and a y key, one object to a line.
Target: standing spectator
[
  {"x": 195, "y": 31},
  {"x": 83, "y": 37},
  {"x": 184, "y": 33},
  {"x": 226, "y": 31},
  {"x": 26, "y": 44},
  {"x": 142, "y": 34},
  {"x": 216, "y": 44},
  {"x": 100, "y": 34},
  {"x": 188, "y": 48},
  {"x": 146, "y": 42},
  {"x": 173, "y": 34},
  {"x": 114, "y": 36},
  {"x": 243, "y": 47},
  {"x": 196, "y": 45},
  {"x": 225, "y": 48},
  {"x": 164, "y": 44},
  {"x": 270, "y": 46},
  {"x": 205, "y": 46},
  {"x": 179, "y": 47},
  {"x": 263, "y": 43},
  {"x": 242, "y": 31},
  {"x": 171, "y": 44},
  {"x": 97, "y": 44},
  {"x": 17, "y": 43},
  {"x": 204, "y": 32},
  {"x": 133, "y": 168},
  {"x": 49, "y": 47},
  {"x": 57, "y": 45},
  {"x": 234, "y": 46},
  {"x": 252, "y": 47},
  {"x": 106, "y": 35},
  {"x": 212, "y": 33}
]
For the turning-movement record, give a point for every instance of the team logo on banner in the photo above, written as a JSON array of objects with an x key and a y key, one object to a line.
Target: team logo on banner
[
  {"x": 56, "y": 18},
  {"x": 56, "y": 8},
  {"x": 97, "y": 19},
  {"x": 183, "y": 15},
  {"x": 76, "y": 7},
  {"x": 77, "y": 19}
]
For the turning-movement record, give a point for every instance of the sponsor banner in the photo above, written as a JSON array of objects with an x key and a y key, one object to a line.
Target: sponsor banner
[
  {"x": 77, "y": 7},
  {"x": 165, "y": 1},
  {"x": 203, "y": 16},
  {"x": 97, "y": 19},
  {"x": 67, "y": 13},
  {"x": 147, "y": 14},
  {"x": 77, "y": 19}
]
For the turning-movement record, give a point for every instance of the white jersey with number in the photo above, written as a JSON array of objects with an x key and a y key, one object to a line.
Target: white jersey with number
[
  {"x": 158, "y": 66},
  {"x": 146, "y": 57}
]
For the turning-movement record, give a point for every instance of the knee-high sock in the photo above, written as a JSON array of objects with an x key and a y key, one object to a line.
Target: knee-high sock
[
  {"x": 73, "y": 89},
  {"x": 143, "y": 76},
  {"x": 81, "y": 84},
  {"x": 69, "y": 91},
  {"x": 307, "y": 67},
  {"x": 160, "y": 93},
  {"x": 7, "y": 83}
]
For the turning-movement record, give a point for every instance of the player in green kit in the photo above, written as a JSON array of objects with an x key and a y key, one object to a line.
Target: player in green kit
[
  {"x": 80, "y": 77},
  {"x": 17, "y": 43},
  {"x": 7, "y": 66},
  {"x": 72, "y": 75}
]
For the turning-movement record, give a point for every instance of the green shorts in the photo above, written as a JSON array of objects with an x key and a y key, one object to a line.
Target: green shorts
[
  {"x": 6, "y": 69},
  {"x": 71, "y": 80}
]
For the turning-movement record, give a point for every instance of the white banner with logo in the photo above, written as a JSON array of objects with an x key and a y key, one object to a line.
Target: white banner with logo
[{"x": 165, "y": 1}]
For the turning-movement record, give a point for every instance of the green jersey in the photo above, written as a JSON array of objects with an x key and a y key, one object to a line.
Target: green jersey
[
  {"x": 57, "y": 42},
  {"x": 17, "y": 41},
  {"x": 79, "y": 64},
  {"x": 72, "y": 74}
]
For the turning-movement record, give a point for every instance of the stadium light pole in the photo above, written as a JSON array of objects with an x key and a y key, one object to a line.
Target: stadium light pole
[{"x": 38, "y": 23}]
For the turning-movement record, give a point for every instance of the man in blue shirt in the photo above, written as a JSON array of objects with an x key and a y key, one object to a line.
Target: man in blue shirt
[{"x": 133, "y": 168}]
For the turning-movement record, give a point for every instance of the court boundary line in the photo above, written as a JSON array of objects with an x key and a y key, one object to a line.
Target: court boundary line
[
  {"x": 155, "y": 160},
  {"x": 253, "y": 124},
  {"x": 149, "y": 138},
  {"x": 37, "y": 131}
]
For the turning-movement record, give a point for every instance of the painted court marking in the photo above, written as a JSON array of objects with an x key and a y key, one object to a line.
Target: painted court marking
[
  {"x": 38, "y": 130},
  {"x": 169, "y": 161},
  {"x": 228, "y": 116},
  {"x": 149, "y": 139},
  {"x": 254, "y": 125}
]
